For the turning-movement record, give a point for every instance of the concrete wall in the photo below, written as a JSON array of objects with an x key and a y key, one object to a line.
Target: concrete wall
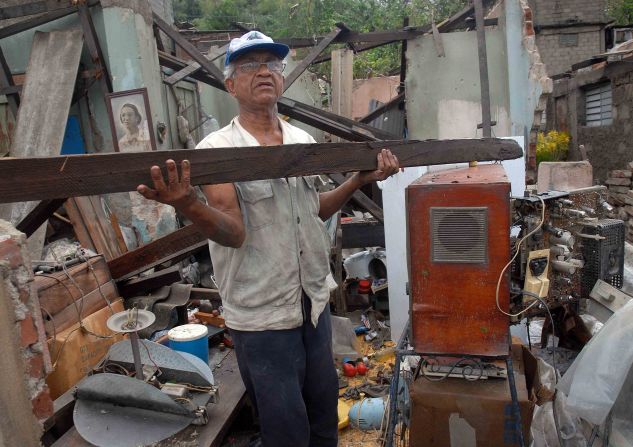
[
  {"x": 608, "y": 147},
  {"x": 443, "y": 93},
  {"x": 583, "y": 18},
  {"x": 558, "y": 57},
  {"x": 552, "y": 12}
]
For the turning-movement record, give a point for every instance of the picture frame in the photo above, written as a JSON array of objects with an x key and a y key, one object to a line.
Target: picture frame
[{"x": 131, "y": 120}]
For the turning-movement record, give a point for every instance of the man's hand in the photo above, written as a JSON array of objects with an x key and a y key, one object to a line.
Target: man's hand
[
  {"x": 178, "y": 192},
  {"x": 387, "y": 166}
]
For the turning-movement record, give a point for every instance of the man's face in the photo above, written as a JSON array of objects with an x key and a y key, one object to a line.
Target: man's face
[{"x": 259, "y": 87}]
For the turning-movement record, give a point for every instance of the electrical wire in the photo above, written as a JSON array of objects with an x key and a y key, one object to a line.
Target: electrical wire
[
  {"x": 78, "y": 308},
  {"x": 516, "y": 248}
]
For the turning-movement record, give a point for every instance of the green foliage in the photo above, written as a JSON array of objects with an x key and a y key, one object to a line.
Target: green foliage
[
  {"x": 186, "y": 10},
  {"x": 621, "y": 11},
  {"x": 311, "y": 18},
  {"x": 552, "y": 146}
]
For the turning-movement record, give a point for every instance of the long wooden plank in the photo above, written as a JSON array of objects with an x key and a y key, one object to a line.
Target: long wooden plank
[
  {"x": 6, "y": 82},
  {"x": 79, "y": 175},
  {"x": 312, "y": 55},
  {"x": 484, "y": 83},
  {"x": 92, "y": 42},
  {"x": 31, "y": 8},
  {"x": 142, "y": 285},
  {"x": 182, "y": 74},
  {"x": 331, "y": 122},
  {"x": 187, "y": 46},
  {"x": 182, "y": 241}
]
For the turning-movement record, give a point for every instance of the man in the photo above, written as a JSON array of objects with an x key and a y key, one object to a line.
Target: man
[{"x": 270, "y": 254}]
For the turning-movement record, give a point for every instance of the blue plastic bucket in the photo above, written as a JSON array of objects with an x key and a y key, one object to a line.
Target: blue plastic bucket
[{"x": 191, "y": 338}]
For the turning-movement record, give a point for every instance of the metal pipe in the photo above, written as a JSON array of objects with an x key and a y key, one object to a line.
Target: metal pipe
[{"x": 138, "y": 367}]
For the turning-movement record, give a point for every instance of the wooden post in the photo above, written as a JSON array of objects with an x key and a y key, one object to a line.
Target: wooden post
[
  {"x": 342, "y": 79},
  {"x": 483, "y": 70}
]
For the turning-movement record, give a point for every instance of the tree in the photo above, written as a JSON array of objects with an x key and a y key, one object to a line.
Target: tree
[
  {"x": 186, "y": 10},
  {"x": 311, "y": 18},
  {"x": 621, "y": 11}
]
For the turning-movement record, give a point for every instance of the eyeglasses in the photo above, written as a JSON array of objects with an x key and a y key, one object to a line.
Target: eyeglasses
[{"x": 252, "y": 67}]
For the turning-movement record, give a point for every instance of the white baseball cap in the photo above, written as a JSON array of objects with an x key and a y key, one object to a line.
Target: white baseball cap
[{"x": 254, "y": 40}]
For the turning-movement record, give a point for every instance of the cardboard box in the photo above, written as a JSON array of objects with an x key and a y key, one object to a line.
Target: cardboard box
[
  {"x": 459, "y": 413},
  {"x": 81, "y": 351}
]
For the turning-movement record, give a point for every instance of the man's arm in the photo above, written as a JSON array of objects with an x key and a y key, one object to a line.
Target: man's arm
[
  {"x": 221, "y": 221},
  {"x": 332, "y": 201}
]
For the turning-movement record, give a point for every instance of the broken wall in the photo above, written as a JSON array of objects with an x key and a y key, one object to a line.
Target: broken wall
[
  {"x": 125, "y": 34},
  {"x": 443, "y": 93},
  {"x": 608, "y": 146},
  {"x": 568, "y": 31},
  {"x": 25, "y": 357}
]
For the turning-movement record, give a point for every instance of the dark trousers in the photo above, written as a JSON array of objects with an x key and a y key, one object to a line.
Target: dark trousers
[{"x": 291, "y": 379}]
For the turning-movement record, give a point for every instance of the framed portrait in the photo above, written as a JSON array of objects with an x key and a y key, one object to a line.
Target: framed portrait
[{"x": 131, "y": 121}]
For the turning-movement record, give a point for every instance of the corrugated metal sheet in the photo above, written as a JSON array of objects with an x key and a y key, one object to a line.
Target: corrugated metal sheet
[{"x": 391, "y": 121}]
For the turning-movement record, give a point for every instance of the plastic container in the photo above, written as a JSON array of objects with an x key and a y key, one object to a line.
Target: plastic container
[
  {"x": 364, "y": 286},
  {"x": 191, "y": 338}
]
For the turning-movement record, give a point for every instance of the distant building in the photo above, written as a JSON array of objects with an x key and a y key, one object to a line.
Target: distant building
[{"x": 569, "y": 31}]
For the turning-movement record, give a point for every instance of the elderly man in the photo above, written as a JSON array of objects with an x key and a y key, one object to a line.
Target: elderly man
[{"x": 270, "y": 254}]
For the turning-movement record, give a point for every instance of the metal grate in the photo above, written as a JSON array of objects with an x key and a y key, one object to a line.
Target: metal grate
[
  {"x": 459, "y": 235},
  {"x": 598, "y": 106},
  {"x": 604, "y": 258}
]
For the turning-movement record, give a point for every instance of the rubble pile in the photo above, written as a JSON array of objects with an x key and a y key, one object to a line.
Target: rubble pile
[{"x": 621, "y": 197}]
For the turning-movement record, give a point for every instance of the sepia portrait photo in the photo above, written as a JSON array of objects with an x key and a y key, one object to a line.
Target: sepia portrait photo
[{"x": 131, "y": 121}]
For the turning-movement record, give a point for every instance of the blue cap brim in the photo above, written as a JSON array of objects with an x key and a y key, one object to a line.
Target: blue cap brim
[{"x": 278, "y": 49}]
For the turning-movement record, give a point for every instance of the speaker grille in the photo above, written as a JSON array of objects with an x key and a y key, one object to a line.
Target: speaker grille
[{"x": 459, "y": 235}]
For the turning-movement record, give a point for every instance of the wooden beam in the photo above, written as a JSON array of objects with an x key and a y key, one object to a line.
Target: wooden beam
[
  {"x": 92, "y": 42},
  {"x": 82, "y": 175},
  {"x": 182, "y": 74},
  {"x": 6, "y": 82},
  {"x": 188, "y": 47},
  {"x": 483, "y": 70},
  {"x": 24, "y": 25},
  {"x": 396, "y": 101},
  {"x": 321, "y": 119},
  {"x": 31, "y": 8},
  {"x": 312, "y": 55},
  {"x": 13, "y": 90},
  {"x": 330, "y": 122},
  {"x": 159, "y": 41},
  {"x": 39, "y": 215},
  {"x": 142, "y": 285},
  {"x": 171, "y": 247},
  {"x": 357, "y": 49},
  {"x": 360, "y": 198}
]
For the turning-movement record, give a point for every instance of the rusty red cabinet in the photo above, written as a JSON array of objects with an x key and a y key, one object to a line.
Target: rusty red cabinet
[{"x": 458, "y": 224}]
